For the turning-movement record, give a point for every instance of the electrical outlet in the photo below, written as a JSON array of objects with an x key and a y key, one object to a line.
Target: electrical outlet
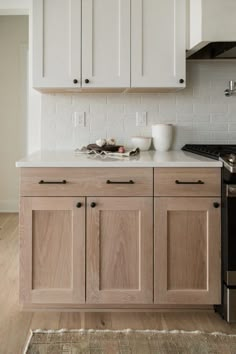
[
  {"x": 141, "y": 119},
  {"x": 79, "y": 119}
]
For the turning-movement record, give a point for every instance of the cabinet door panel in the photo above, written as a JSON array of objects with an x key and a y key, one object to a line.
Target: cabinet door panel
[
  {"x": 187, "y": 251},
  {"x": 157, "y": 43},
  {"x": 120, "y": 251},
  {"x": 106, "y": 43},
  {"x": 52, "y": 251},
  {"x": 56, "y": 43}
]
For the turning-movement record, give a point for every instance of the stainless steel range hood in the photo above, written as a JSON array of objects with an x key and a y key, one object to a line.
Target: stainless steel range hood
[{"x": 212, "y": 29}]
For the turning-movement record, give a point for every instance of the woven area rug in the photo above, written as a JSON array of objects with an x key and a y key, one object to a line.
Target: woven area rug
[{"x": 129, "y": 342}]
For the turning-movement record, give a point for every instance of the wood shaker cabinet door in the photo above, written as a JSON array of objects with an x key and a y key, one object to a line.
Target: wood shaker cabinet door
[
  {"x": 187, "y": 265},
  {"x": 119, "y": 251},
  {"x": 52, "y": 250}
]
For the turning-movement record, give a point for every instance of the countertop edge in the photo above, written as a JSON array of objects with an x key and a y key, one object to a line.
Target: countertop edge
[
  {"x": 149, "y": 159},
  {"x": 212, "y": 164}
]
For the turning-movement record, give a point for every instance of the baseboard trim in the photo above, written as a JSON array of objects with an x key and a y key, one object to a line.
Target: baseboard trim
[
  {"x": 9, "y": 206},
  {"x": 118, "y": 308}
]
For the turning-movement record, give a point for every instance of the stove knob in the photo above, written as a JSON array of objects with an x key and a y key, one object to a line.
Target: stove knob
[
  {"x": 216, "y": 205},
  {"x": 232, "y": 158}
]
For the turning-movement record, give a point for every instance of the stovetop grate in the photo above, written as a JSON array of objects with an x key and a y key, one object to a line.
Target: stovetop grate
[{"x": 211, "y": 151}]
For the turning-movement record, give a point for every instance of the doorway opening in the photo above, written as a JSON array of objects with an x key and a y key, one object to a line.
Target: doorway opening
[{"x": 14, "y": 43}]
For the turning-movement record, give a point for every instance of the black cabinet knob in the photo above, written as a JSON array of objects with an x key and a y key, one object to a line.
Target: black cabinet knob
[
  {"x": 181, "y": 81},
  {"x": 79, "y": 205},
  {"x": 75, "y": 81},
  {"x": 86, "y": 81},
  {"x": 93, "y": 205},
  {"x": 216, "y": 205}
]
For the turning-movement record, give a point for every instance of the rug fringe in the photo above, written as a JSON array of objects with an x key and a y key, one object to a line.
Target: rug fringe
[
  {"x": 128, "y": 330},
  {"x": 28, "y": 341}
]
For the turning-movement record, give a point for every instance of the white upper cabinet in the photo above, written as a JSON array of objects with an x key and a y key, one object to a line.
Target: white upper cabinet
[
  {"x": 96, "y": 44},
  {"x": 105, "y": 43},
  {"x": 56, "y": 43},
  {"x": 158, "y": 43}
]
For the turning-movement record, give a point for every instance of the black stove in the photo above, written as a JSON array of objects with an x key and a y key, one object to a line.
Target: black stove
[{"x": 225, "y": 153}]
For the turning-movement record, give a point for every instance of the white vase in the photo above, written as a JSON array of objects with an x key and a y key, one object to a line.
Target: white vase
[{"x": 162, "y": 136}]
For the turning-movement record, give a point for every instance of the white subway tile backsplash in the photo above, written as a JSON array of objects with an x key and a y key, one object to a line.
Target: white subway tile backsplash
[
  {"x": 97, "y": 121},
  {"x": 201, "y": 108},
  {"x": 89, "y": 98},
  {"x": 220, "y": 135},
  {"x": 201, "y": 91},
  {"x": 232, "y": 127},
  {"x": 200, "y": 113},
  {"x": 232, "y": 136},
  {"x": 219, "y": 108},
  {"x": 48, "y": 105},
  {"x": 149, "y": 98},
  {"x": 167, "y": 108},
  {"x": 144, "y": 107},
  {"x": 166, "y": 118},
  {"x": 182, "y": 117},
  {"x": 130, "y": 128},
  {"x": 184, "y": 108},
  {"x": 232, "y": 107},
  {"x": 107, "y": 108},
  {"x": 115, "y": 125},
  {"x": 124, "y": 98},
  {"x": 210, "y": 127}
]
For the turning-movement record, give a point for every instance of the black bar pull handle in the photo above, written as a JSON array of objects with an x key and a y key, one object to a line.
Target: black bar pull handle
[
  {"x": 197, "y": 182},
  {"x": 53, "y": 182},
  {"x": 117, "y": 182}
]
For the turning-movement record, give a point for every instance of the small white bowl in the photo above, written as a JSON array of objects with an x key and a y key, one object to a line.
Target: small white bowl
[{"x": 142, "y": 142}]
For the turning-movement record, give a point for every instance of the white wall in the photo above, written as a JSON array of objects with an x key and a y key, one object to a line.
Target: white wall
[
  {"x": 14, "y": 7},
  {"x": 34, "y": 103},
  {"x": 13, "y": 109},
  {"x": 201, "y": 113}
]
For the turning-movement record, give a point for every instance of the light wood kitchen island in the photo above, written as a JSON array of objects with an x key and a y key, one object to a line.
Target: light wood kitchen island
[{"x": 143, "y": 233}]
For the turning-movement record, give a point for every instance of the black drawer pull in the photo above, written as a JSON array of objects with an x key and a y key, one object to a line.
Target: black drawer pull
[
  {"x": 198, "y": 182},
  {"x": 45, "y": 182},
  {"x": 128, "y": 182}
]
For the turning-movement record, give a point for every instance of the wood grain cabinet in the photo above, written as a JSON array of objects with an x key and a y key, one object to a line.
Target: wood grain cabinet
[
  {"x": 86, "y": 250},
  {"x": 187, "y": 233},
  {"x": 52, "y": 250},
  {"x": 120, "y": 251},
  {"x": 131, "y": 237}
]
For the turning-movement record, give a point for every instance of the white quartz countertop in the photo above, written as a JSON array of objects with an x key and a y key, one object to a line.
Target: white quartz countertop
[{"x": 144, "y": 159}]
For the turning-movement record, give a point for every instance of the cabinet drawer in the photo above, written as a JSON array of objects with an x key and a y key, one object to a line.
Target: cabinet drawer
[
  {"x": 192, "y": 182},
  {"x": 86, "y": 182}
]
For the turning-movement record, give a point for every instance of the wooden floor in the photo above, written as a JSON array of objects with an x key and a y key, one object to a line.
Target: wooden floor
[{"x": 15, "y": 325}]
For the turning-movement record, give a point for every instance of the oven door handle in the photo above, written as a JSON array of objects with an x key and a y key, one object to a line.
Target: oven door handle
[{"x": 231, "y": 191}]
